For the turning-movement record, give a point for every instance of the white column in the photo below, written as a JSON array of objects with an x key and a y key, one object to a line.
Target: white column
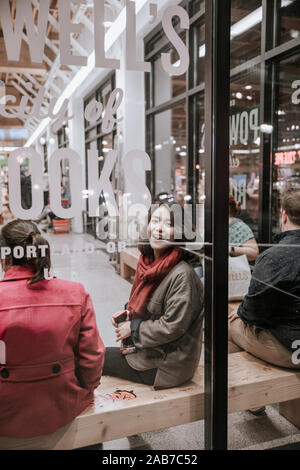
[
  {"x": 76, "y": 142},
  {"x": 131, "y": 130}
]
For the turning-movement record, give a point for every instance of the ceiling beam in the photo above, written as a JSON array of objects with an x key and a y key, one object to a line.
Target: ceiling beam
[
  {"x": 22, "y": 69},
  {"x": 38, "y": 85},
  {"x": 55, "y": 24}
]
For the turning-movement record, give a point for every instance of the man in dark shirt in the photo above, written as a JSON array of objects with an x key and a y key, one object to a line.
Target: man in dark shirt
[{"x": 267, "y": 323}]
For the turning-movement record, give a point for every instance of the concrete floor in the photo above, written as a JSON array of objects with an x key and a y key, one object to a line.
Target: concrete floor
[{"x": 109, "y": 292}]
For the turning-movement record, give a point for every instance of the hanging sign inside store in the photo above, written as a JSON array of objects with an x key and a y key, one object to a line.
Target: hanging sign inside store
[
  {"x": 136, "y": 162},
  {"x": 286, "y": 158}
]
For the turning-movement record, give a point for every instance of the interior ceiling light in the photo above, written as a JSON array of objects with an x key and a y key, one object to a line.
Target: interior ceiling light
[
  {"x": 239, "y": 95},
  {"x": 294, "y": 33},
  {"x": 248, "y": 87},
  {"x": 266, "y": 128},
  {"x": 249, "y": 97}
]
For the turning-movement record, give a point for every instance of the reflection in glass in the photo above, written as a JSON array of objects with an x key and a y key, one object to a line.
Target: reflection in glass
[
  {"x": 196, "y": 6},
  {"x": 198, "y": 36},
  {"x": 199, "y": 155},
  {"x": 245, "y": 144},
  {"x": 289, "y": 20},
  {"x": 166, "y": 86},
  {"x": 286, "y": 148}
]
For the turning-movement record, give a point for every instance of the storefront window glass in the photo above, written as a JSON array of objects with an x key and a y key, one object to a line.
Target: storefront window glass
[
  {"x": 171, "y": 152},
  {"x": 245, "y": 31},
  {"x": 289, "y": 20},
  {"x": 167, "y": 87},
  {"x": 198, "y": 38},
  {"x": 198, "y": 149},
  {"x": 96, "y": 140},
  {"x": 196, "y": 6},
  {"x": 286, "y": 149},
  {"x": 245, "y": 144}
]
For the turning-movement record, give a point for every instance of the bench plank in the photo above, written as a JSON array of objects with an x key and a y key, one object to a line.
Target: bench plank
[{"x": 252, "y": 383}]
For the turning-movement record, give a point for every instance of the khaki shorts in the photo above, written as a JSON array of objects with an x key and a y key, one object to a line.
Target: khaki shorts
[{"x": 259, "y": 342}]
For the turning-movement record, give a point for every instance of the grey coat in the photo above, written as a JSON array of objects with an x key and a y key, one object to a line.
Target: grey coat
[{"x": 171, "y": 339}]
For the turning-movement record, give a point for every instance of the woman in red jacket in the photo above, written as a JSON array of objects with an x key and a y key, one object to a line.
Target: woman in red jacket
[{"x": 53, "y": 352}]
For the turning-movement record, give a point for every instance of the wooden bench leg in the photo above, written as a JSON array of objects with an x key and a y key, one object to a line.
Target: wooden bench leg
[
  {"x": 291, "y": 411},
  {"x": 125, "y": 271}
]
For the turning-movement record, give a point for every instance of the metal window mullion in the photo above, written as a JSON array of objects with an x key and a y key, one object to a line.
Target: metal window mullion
[
  {"x": 217, "y": 68},
  {"x": 265, "y": 118}
]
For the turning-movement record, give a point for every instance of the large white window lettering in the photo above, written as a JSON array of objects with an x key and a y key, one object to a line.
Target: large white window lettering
[
  {"x": 242, "y": 125},
  {"x": 24, "y": 17},
  {"x": 97, "y": 185},
  {"x": 14, "y": 183},
  {"x": 75, "y": 183},
  {"x": 37, "y": 35}
]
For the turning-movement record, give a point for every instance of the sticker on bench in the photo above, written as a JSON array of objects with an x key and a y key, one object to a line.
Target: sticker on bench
[
  {"x": 117, "y": 396},
  {"x": 122, "y": 395}
]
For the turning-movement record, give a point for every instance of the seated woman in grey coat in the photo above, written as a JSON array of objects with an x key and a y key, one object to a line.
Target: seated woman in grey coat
[{"x": 164, "y": 313}]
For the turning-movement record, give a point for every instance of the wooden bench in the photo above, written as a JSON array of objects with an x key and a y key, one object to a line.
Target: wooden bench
[
  {"x": 252, "y": 383},
  {"x": 128, "y": 262}
]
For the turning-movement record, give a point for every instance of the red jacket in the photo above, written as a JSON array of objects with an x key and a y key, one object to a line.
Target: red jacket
[{"x": 54, "y": 354}]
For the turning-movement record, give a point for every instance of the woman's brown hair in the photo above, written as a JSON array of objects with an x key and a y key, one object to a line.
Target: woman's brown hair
[
  {"x": 234, "y": 207},
  {"x": 24, "y": 233},
  {"x": 179, "y": 231}
]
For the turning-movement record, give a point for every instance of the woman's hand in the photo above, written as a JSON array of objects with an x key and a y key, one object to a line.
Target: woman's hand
[
  {"x": 116, "y": 315},
  {"x": 249, "y": 248},
  {"x": 123, "y": 330}
]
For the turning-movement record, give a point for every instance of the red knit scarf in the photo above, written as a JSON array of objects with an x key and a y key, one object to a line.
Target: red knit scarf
[{"x": 149, "y": 273}]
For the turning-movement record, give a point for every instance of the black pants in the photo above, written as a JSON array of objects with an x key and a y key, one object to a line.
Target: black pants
[{"x": 116, "y": 365}]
